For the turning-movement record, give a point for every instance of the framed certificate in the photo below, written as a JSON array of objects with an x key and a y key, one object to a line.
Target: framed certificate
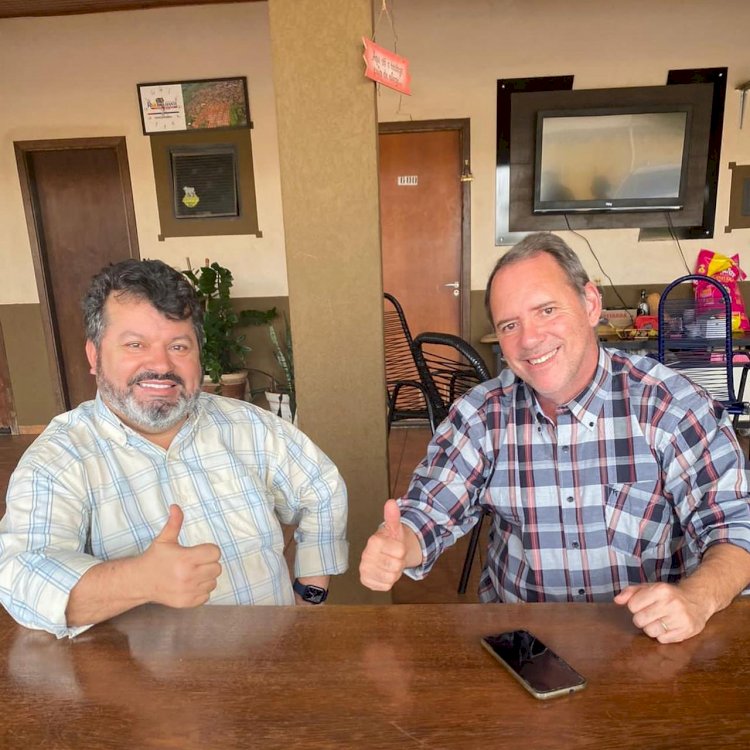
[{"x": 209, "y": 104}]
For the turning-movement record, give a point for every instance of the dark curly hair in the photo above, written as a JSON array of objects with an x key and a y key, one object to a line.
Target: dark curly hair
[{"x": 152, "y": 280}]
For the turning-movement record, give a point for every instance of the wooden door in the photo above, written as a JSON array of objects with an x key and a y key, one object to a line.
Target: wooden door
[
  {"x": 422, "y": 205},
  {"x": 80, "y": 214}
]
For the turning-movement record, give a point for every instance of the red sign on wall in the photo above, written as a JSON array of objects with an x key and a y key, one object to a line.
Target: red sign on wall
[{"x": 386, "y": 67}]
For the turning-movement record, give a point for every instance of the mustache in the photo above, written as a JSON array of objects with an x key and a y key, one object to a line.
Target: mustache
[{"x": 153, "y": 375}]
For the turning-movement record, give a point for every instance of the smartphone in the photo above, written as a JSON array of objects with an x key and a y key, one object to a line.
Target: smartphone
[{"x": 539, "y": 669}]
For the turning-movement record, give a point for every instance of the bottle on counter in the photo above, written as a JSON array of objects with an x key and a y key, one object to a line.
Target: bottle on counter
[
  {"x": 653, "y": 303},
  {"x": 643, "y": 304}
]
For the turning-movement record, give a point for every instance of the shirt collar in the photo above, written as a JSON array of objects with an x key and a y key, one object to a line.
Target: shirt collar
[
  {"x": 111, "y": 426},
  {"x": 587, "y": 405},
  {"x": 109, "y": 423}
]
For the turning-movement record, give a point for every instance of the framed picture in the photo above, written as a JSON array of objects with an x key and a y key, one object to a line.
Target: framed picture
[{"x": 209, "y": 104}]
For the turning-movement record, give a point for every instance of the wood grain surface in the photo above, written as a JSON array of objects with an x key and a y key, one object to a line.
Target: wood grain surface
[{"x": 410, "y": 676}]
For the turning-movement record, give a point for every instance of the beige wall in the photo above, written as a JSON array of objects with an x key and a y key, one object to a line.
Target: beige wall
[
  {"x": 459, "y": 49},
  {"x": 76, "y": 76},
  {"x": 28, "y": 363},
  {"x": 329, "y": 180}
]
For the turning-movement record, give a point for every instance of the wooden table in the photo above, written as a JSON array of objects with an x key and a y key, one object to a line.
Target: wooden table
[{"x": 410, "y": 676}]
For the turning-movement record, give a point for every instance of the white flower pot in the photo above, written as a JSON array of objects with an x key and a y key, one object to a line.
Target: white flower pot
[{"x": 278, "y": 403}]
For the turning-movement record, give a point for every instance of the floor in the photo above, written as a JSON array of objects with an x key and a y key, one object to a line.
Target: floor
[{"x": 406, "y": 448}]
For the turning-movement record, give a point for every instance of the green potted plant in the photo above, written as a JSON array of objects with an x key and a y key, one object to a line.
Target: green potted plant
[
  {"x": 283, "y": 352},
  {"x": 279, "y": 391},
  {"x": 224, "y": 349}
]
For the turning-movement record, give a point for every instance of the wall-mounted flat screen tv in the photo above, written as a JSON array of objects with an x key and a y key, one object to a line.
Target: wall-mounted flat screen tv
[{"x": 611, "y": 159}]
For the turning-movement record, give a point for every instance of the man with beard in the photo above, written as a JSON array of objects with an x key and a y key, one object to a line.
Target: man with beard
[{"x": 155, "y": 491}]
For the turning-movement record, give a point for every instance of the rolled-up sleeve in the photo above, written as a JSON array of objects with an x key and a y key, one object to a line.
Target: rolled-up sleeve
[
  {"x": 42, "y": 541},
  {"x": 707, "y": 480},
  {"x": 442, "y": 502},
  {"x": 309, "y": 492}
]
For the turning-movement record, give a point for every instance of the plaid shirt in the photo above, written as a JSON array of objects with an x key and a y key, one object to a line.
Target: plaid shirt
[
  {"x": 640, "y": 475},
  {"x": 90, "y": 489}
]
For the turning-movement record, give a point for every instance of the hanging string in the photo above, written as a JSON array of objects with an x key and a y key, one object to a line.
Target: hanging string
[
  {"x": 388, "y": 13},
  {"x": 399, "y": 111}
]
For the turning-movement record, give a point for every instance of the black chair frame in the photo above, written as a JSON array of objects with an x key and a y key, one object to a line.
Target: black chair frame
[
  {"x": 444, "y": 382},
  {"x": 698, "y": 352}
]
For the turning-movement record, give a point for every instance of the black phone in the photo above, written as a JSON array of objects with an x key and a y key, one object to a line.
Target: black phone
[{"x": 539, "y": 669}]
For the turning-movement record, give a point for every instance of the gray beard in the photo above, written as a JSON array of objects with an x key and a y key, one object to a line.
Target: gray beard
[{"x": 154, "y": 416}]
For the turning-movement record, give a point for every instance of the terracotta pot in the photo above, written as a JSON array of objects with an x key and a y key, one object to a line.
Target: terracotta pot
[{"x": 231, "y": 384}]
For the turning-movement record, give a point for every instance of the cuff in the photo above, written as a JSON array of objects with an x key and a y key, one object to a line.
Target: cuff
[
  {"x": 430, "y": 553},
  {"x": 42, "y": 602},
  {"x": 313, "y": 559}
]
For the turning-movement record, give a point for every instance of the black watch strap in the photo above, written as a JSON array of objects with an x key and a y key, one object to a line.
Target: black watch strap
[{"x": 309, "y": 593}]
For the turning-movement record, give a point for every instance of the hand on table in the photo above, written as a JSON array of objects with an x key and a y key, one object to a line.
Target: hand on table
[
  {"x": 663, "y": 611},
  {"x": 180, "y": 576},
  {"x": 385, "y": 556}
]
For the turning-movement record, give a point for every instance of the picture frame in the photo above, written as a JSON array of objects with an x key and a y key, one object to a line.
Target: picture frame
[{"x": 201, "y": 104}]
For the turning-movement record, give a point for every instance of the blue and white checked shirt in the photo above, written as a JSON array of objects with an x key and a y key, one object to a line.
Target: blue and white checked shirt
[
  {"x": 90, "y": 489},
  {"x": 641, "y": 474}
]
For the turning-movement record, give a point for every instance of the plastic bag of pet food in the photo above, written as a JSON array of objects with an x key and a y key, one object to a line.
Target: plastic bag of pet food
[{"x": 728, "y": 272}]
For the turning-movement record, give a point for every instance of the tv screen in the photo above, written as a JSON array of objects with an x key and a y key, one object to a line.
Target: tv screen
[{"x": 611, "y": 159}]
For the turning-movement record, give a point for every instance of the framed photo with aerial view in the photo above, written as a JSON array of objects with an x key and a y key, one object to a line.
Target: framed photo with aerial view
[{"x": 208, "y": 104}]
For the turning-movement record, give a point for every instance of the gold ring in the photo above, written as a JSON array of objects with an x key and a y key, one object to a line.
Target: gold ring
[{"x": 664, "y": 625}]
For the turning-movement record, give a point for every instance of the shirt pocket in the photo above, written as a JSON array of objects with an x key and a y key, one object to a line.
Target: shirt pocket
[
  {"x": 239, "y": 516},
  {"x": 637, "y": 518}
]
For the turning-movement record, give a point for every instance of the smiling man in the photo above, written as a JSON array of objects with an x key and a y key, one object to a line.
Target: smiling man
[
  {"x": 157, "y": 492},
  {"x": 609, "y": 477}
]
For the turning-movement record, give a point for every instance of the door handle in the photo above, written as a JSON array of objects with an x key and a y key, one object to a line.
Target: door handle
[{"x": 453, "y": 285}]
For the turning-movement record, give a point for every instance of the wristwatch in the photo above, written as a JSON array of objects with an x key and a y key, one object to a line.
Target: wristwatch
[{"x": 309, "y": 593}]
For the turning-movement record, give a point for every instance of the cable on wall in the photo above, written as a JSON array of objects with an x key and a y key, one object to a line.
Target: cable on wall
[{"x": 611, "y": 283}]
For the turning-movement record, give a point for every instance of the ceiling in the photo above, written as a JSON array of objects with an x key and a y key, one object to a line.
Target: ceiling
[{"x": 18, "y": 8}]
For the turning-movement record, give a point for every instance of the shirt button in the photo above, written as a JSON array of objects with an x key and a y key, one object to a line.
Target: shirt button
[
  {"x": 581, "y": 592},
  {"x": 575, "y": 545},
  {"x": 569, "y": 499},
  {"x": 565, "y": 448}
]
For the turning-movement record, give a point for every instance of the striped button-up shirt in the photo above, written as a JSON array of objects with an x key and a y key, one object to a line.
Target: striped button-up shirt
[
  {"x": 90, "y": 489},
  {"x": 640, "y": 474}
]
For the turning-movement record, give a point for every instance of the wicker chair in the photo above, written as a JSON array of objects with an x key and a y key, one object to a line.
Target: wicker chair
[{"x": 405, "y": 395}]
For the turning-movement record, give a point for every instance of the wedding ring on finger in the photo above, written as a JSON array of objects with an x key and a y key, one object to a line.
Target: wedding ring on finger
[{"x": 664, "y": 625}]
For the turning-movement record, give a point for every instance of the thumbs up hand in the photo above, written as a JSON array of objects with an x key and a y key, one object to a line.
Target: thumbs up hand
[
  {"x": 179, "y": 576},
  {"x": 392, "y": 517},
  {"x": 389, "y": 550},
  {"x": 172, "y": 528}
]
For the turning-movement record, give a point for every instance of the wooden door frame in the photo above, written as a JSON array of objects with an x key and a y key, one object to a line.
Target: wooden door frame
[
  {"x": 463, "y": 126},
  {"x": 23, "y": 150}
]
